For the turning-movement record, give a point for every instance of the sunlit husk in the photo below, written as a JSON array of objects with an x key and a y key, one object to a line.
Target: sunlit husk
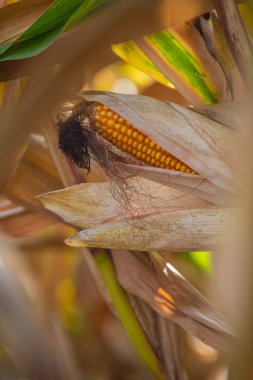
[
  {"x": 183, "y": 230},
  {"x": 88, "y": 205},
  {"x": 189, "y": 184},
  {"x": 200, "y": 143},
  {"x": 158, "y": 219}
]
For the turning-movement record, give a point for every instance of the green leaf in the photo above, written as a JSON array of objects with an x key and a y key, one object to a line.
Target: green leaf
[
  {"x": 131, "y": 53},
  {"x": 202, "y": 261},
  {"x": 175, "y": 52},
  {"x": 32, "y": 46},
  {"x": 126, "y": 313},
  {"x": 168, "y": 58},
  {"x": 61, "y": 15}
]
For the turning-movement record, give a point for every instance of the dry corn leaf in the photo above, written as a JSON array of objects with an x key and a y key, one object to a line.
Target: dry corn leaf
[
  {"x": 157, "y": 221},
  {"x": 26, "y": 224},
  {"x": 177, "y": 231},
  {"x": 187, "y": 183},
  {"x": 23, "y": 330},
  {"x": 164, "y": 337},
  {"x": 170, "y": 337},
  {"x": 173, "y": 297},
  {"x": 90, "y": 204},
  {"x": 202, "y": 144},
  {"x": 17, "y": 17},
  {"x": 225, "y": 113},
  {"x": 36, "y": 173}
]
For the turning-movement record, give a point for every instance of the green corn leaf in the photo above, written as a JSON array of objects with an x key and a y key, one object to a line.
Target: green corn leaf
[
  {"x": 61, "y": 15},
  {"x": 126, "y": 314},
  {"x": 130, "y": 52},
  {"x": 168, "y": 58},
  {"x": 202, "y": 261}
]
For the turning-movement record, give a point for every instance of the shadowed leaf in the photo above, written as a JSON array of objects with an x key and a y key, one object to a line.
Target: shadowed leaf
[{"x": 172, "y": 296}]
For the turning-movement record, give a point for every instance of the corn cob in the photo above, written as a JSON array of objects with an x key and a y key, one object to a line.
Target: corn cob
[{"x": 127, "y": 138}]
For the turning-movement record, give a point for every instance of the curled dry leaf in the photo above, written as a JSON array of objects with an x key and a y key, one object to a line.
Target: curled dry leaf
[
  {"x": 184, "y": 230},
  {"x": 158, "y": 220},
  {"x": 164, "y": 336},
  {"x": 173, "y": 297},
  {"x": 91, "y": 204},
  {"x": 16, "y": 18},
  {"x": 226, "y": 113}
]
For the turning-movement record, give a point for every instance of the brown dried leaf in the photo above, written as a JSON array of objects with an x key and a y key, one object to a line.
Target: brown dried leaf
[
  {"x": 224, "y": 57},
  {"x": 88, "y": 205},
  {"x": 26, "y": 224},
  {"x": 189, "y": 184},
  {"x": 228, "y": 114},
  {"x": 173, "y": 297},
  {"x": 164, "y": 337},
  {"x": 172, "y": 348},
  {"x": 35, "y": 174},
  {"x": 17, "y": 17},
  {"x": 176, "y": 13},
  {"x": 157, "y": 221}
]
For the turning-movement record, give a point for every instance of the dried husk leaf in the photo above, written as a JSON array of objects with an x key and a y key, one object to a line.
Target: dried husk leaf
[
  {"x": 224, "y": 57},
  {"x": 159, "y": 218},
  {"x": 190, "y": 184},
  {"x": 182, "y": 230},
  {"x": 91, "y": 204},
  {"x": 173, "y": 297},
  {"x": 226, "y": 113},
  {"x": 204, "y": 145}
]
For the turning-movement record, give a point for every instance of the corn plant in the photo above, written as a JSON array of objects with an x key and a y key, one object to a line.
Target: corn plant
[{"x": 134, "y": 181}]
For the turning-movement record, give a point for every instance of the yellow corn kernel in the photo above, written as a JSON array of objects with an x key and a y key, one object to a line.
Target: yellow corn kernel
[{"x": 127, "y": 138}]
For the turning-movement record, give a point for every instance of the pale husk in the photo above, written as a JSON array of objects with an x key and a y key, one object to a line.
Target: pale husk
[
  {"x": 90, "y": 204},
  {"x": 183, "y": 230},
  {"x": 203, "y": 144}
]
